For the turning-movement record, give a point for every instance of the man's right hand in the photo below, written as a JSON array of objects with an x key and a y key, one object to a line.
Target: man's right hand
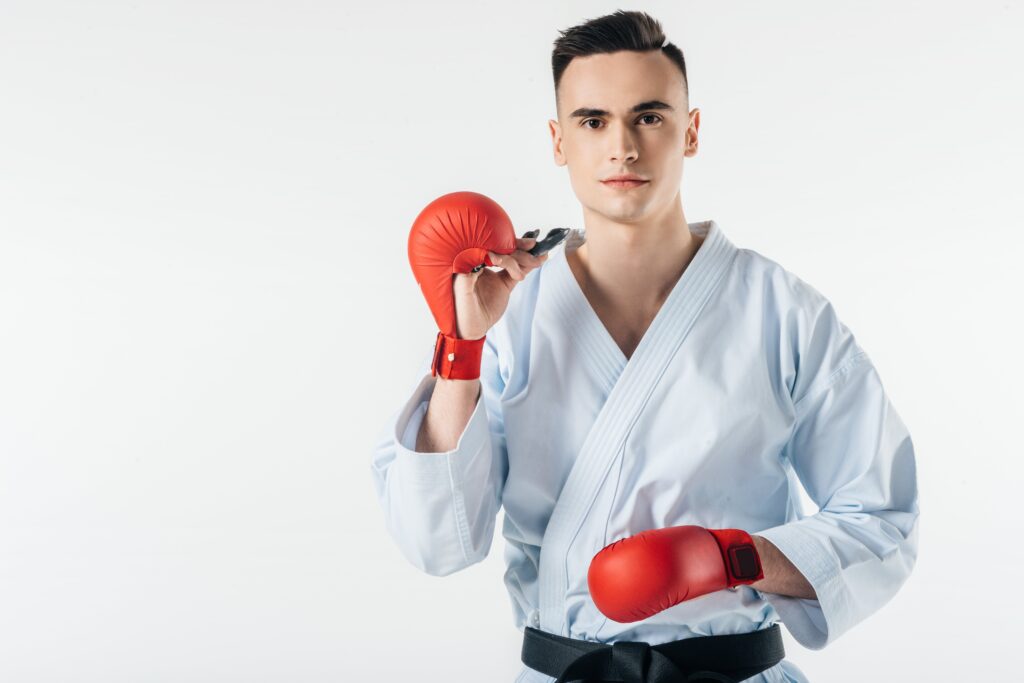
[{"x": 482, "y": 297}]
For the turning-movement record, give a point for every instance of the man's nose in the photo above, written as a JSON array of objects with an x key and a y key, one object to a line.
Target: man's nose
[{"x": 624, "y": 145}]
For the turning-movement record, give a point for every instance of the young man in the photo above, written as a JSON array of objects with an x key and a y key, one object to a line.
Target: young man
[{"x": 653, "y": 376}]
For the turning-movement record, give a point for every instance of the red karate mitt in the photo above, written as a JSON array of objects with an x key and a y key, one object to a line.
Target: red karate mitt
[
  {"x": 637, "y": 577},
  {"x": 453, "y": 235}
]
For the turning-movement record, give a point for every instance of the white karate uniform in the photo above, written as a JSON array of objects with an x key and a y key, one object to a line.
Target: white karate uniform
[{"x": 745, "y": 386}]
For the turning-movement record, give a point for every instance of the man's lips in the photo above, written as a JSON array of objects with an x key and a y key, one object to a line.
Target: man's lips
[{"x": 624, "y": 183}]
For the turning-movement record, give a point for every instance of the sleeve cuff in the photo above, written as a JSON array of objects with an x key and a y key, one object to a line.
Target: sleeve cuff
[
  {"x": 444, "y": 468},
  {"x": 813, "y": 623}
]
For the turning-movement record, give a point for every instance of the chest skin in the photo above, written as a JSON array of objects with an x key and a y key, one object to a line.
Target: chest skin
[
  {"x": 626, "y": 325},
  {"x": 626, "y": 336}
]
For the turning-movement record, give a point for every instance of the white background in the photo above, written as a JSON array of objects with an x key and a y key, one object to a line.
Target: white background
[{"x": 207, "y": 313}]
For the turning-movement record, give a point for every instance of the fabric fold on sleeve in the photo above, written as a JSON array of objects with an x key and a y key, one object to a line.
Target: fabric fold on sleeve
[
  {"x": 854, "y": 457},
  {"x": 440, "y": 508}
]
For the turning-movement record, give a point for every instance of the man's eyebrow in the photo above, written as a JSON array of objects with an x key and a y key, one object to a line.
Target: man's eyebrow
[{"x": 651, "y": 104}]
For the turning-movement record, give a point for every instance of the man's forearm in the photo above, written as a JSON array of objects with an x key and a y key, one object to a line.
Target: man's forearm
[
  {"x": 780, "y": 576},
  {"x": 451, "y": 405}
]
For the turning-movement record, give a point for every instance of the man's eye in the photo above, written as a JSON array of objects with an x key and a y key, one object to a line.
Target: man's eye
[{"x": 645, "y": 116}]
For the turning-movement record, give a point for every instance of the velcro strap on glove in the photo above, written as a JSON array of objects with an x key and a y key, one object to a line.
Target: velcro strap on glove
[
  {"x": 742, "y": 562},
  {"x": 456, "y": 358}
]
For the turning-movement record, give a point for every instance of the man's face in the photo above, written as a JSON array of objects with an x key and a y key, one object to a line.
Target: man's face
[{"x": 649, "y": 142}]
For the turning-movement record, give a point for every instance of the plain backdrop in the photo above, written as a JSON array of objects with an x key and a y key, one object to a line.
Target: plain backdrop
[{"x": 207, "y": 312}]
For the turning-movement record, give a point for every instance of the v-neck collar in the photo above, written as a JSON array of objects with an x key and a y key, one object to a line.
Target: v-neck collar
[{"x": 595, "y": 339}]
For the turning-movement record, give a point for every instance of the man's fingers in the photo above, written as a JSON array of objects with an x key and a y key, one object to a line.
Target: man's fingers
[
  {"x": 519, "y": 263},
  {"x": 523, "y": 255},
  {"x": 509, "y": 263}
]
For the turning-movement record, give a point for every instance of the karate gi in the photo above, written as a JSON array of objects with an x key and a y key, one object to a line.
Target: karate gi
[{"x": 745, "y": 386}]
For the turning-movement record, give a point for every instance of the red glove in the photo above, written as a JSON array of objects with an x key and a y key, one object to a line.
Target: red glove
[
  {"x": 453, "y": 235},
  {"x": 637, "y": 577}
]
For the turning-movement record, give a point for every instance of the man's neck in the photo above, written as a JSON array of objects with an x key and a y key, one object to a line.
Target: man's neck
[{"x": 633, "y": 268}]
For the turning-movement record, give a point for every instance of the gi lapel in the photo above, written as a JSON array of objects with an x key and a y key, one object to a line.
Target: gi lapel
[
  {"x": 632, "y": 388},
  {"x": 590, "y": 338}
]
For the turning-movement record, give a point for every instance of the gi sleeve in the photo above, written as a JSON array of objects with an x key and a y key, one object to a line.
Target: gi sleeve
[
  {"x": 855, "y": 459},
  {"x": 441, "y": 508}
]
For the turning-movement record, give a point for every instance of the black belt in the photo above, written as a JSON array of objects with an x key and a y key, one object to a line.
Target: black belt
[{"x": 726, "y": 659}]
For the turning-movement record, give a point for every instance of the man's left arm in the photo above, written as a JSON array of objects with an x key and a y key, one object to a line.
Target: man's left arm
[
  {"x": 780, "y": 575},
  {"x": 828, "y": 571}
]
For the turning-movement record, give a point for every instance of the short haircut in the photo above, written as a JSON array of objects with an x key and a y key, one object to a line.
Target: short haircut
[{"x": 623, "y": 30}]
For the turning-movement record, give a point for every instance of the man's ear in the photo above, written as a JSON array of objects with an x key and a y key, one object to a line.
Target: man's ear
[
  {"x": 691, "y": 134},
  {"x": 556, "y": 142}
]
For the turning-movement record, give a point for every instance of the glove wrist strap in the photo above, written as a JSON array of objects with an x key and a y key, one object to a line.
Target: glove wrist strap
[
  {"x": 456, "y": 358},
  {"x": 742, "y": 563}
]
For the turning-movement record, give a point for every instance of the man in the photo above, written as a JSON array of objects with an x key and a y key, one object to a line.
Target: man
[{"x": 651, "y": 376}]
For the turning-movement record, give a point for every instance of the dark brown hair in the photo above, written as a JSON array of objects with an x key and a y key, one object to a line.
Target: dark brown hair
[{"x": 623, "y": 30}]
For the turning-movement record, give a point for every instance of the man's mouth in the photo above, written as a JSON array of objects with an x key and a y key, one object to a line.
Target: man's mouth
[{"x": 624, "y": 184}]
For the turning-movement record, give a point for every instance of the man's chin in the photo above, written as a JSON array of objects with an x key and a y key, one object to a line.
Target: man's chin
[{"x": 624, "y": 214}]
